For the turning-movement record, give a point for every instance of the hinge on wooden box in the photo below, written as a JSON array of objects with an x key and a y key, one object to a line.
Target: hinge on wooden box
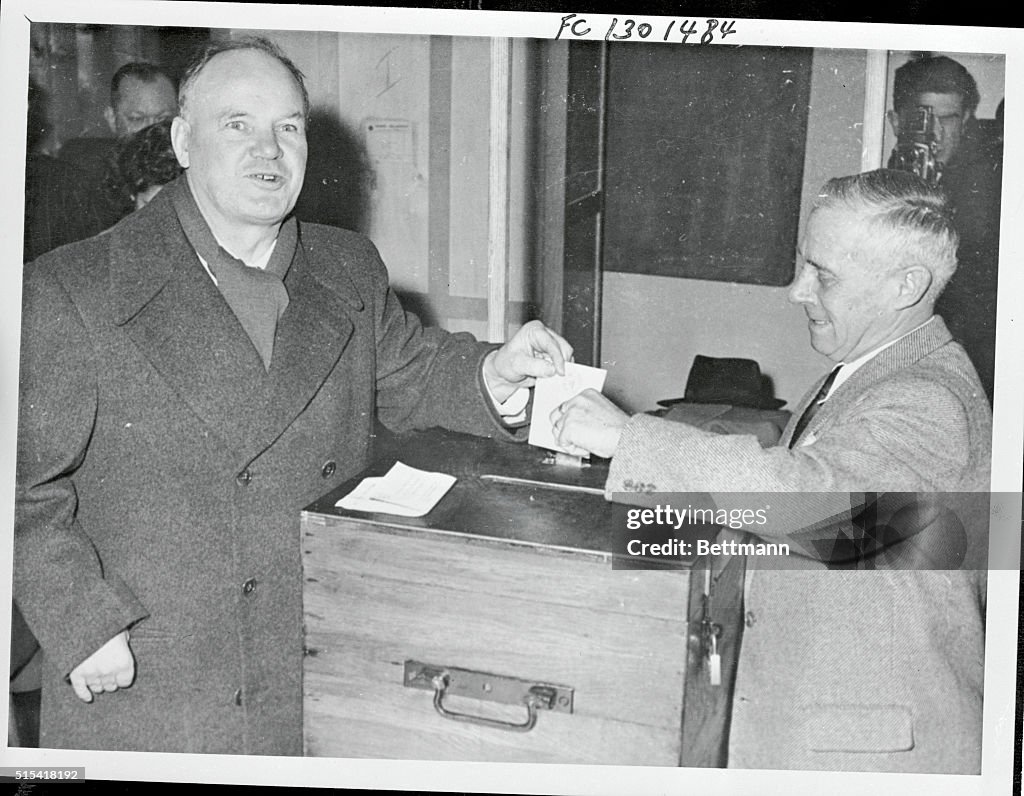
[{"x": 454, "y": 681}]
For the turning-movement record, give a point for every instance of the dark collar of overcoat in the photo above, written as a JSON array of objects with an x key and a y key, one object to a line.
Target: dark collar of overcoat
[{"x": 167, "y": 303}]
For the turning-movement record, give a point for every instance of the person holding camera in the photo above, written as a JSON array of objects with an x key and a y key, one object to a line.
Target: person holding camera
[{"x": 938, "y": 137}]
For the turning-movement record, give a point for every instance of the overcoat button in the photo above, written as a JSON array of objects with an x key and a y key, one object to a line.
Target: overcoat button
[
  {"x": 244, "y": 477},
  {"x": 238, "y": 697},
  {"x": 750, "y": 619},
  {"x": 249, "y": 586},
  {"x": 329, "y": 468}
]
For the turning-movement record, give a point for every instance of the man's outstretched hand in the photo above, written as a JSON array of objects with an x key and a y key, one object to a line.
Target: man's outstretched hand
[
  {"x": 588, "y": 423},
  {"x": 534, "y": 352}
]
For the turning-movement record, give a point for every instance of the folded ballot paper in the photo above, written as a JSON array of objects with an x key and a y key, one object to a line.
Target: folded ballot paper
[
  {"x": 554, "y": 390},
  {"x": 403, "y": 490}
]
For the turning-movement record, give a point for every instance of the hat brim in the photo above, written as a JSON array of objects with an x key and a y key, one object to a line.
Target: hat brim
[{"x": 762, "y": 403}]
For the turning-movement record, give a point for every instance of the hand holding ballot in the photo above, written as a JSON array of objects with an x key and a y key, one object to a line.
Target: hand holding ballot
[
  {"x": 588, "y": 423},
  {"x": 551, "y": 393},
  {"x": 533, "y": 352}
]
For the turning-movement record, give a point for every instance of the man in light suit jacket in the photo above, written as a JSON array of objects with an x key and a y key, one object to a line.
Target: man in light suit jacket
[
  {"x": 190, "y": 380},
  {"x": 841, "y": 669}
]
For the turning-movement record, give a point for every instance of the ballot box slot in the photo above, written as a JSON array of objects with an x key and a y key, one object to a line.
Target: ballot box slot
[{"x": 447, "y": 681}]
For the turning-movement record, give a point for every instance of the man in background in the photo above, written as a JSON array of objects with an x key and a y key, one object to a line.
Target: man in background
[
  {"x": 141, "y": 94},
  {"x": 970, "y": 171}
]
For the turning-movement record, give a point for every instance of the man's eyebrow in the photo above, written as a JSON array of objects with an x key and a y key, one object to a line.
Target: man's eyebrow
[
  {"x": 813, "y": 263},
  {"x": 236, "y": 114},
  {"x": 816, "y": 265}
]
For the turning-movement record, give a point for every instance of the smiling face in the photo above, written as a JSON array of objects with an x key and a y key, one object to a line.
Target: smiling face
[
  {"x": 851, "y": 301},
  {"x": 242, "y": 139}
]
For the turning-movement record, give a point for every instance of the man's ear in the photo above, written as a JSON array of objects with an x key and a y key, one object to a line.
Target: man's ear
[
  {"x": 181, "y": 134},
  {"x": 894, "y": 122},
  {"x": 109, "y": 115},
  {"x": 913, "y": 286}
]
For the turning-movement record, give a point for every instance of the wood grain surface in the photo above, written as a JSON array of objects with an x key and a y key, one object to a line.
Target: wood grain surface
[{"x": 375, "y": 599}]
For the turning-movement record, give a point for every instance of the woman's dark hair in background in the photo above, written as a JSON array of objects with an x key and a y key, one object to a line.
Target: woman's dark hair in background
[{"x": 146, "y": 160}]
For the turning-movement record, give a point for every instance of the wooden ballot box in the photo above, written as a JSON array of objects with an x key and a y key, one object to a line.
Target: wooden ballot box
[{"x": 492, "y": 629}]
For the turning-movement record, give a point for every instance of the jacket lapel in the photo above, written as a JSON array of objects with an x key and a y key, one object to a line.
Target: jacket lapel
[
  {"x": 311, "y": 336},
  {"x": 798, "y": 412},
  {"x": 167, "y": 304},
  {"x": 175, "y": 315},
  {"x": 904, "y": 353}
]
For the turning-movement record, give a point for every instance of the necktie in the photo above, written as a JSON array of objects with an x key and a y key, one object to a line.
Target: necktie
[{"x": 813, "y": 406}]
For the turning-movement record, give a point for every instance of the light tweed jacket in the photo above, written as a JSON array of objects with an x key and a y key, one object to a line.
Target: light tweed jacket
[{"x": 850, "y": 670}]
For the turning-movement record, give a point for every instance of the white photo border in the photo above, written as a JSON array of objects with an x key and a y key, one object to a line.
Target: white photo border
[{"x": 1001, "y": 643}]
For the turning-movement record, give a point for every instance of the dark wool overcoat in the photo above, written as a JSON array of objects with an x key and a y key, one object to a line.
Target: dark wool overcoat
[{"x": 162, "y": 469}]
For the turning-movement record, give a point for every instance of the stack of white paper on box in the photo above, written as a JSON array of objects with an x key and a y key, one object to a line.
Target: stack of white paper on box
[{"x": 404, "y": 491}]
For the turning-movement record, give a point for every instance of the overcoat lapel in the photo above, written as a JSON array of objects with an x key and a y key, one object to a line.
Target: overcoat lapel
[
  {"x": 311, "y": 336},
  {"x": 176, "y": 317},
  {"x": 169, "y": 307}
]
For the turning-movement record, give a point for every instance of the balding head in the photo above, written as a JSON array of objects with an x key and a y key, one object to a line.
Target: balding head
[
  {"x": 254, "y": 43},
  {"x": 141, "y": 94},
  {"x": 241, "y": 137}
]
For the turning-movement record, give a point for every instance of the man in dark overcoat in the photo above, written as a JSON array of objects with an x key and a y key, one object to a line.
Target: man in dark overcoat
[{"x": 190, "y": 380}]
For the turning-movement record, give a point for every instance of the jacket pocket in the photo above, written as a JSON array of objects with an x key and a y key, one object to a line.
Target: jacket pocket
[
  {"x": 859, "y": 728},
  {"x": 148, "y": 633}
]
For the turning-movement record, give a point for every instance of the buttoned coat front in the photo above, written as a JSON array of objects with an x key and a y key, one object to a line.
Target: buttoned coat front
[
  {"x": 162, "y": 469},
  {"x": 851, "y": 670}
]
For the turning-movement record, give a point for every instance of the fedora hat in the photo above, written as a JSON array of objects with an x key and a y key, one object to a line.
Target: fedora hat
[{"x": 727, "y": 380}]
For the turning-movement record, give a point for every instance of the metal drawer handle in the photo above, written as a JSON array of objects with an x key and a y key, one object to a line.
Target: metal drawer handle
[
  {"x": 444, "y": 680},
  {"x": 440, "y": 683}
]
